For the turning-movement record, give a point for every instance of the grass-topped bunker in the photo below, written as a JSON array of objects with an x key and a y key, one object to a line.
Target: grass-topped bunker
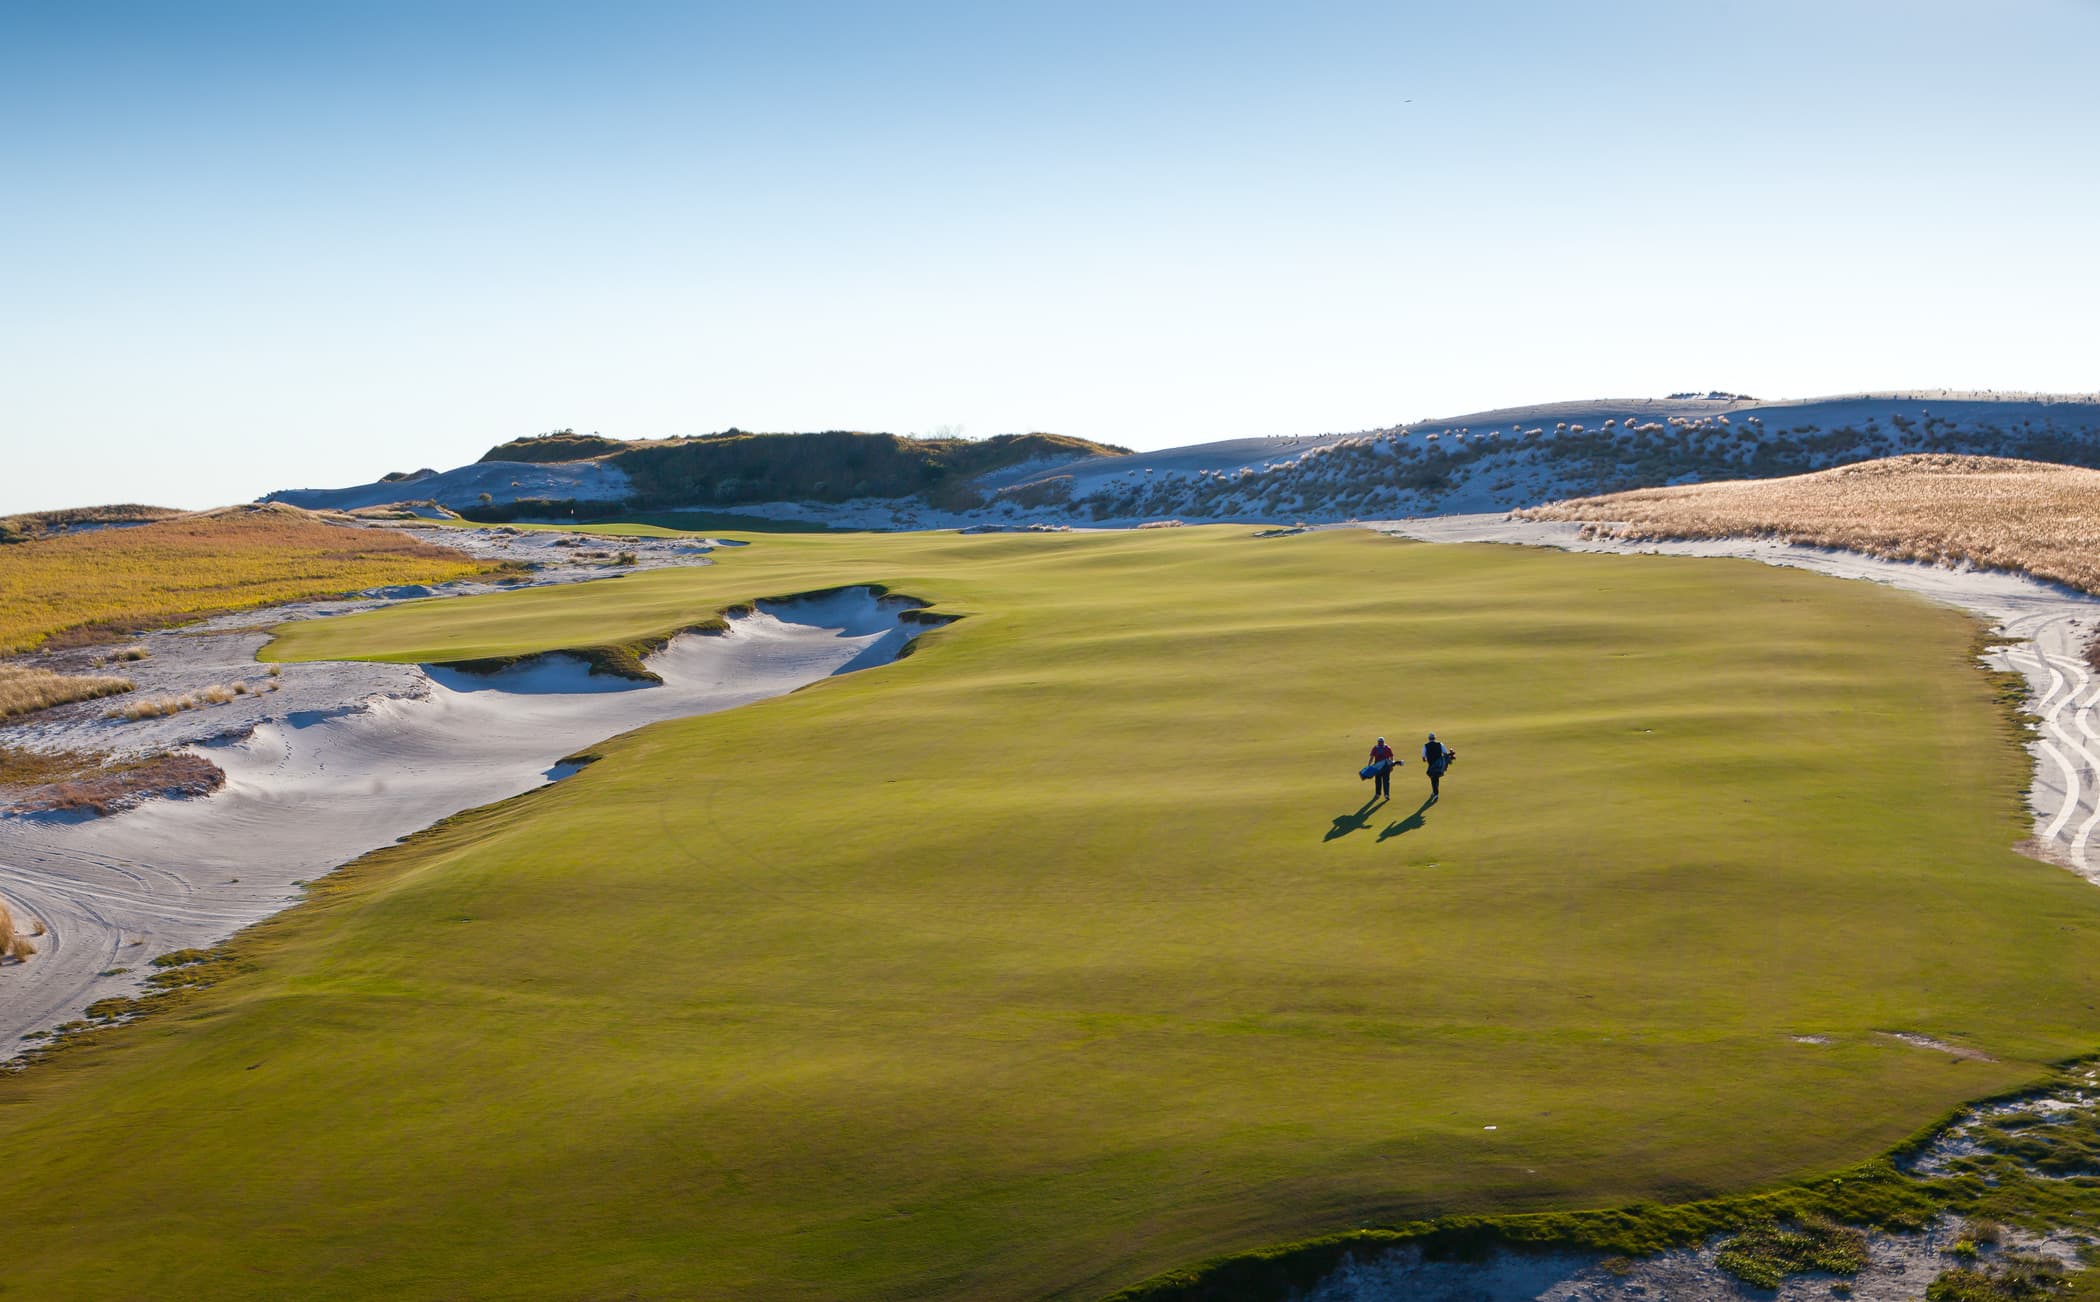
[{"x": 1061, "y": 953}]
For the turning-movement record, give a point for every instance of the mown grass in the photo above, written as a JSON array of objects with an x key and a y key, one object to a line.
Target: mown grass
[
  {"x": 1033, "y": 965},
  {"x": 1988, "y": 512},
  {"x": 83, "y": 585}
]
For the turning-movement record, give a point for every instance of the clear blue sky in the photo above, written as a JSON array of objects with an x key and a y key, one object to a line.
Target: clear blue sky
[{"x": 260, "y": 246}]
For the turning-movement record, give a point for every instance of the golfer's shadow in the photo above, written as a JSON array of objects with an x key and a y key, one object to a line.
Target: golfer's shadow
[
  {"x": 1359, "y": 821},
  {"x": 1405, "y": 825}
]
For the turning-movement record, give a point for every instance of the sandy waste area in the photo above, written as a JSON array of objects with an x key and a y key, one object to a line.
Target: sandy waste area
[{"x": 327, "y": 761}]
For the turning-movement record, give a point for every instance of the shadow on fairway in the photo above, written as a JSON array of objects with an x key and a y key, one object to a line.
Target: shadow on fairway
[
  {"x": 1356, "y": 822},
  {"x": 1405, "y": 825}
]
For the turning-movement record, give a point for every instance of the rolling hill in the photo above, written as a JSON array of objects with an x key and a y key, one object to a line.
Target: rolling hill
[{"x": 1483, "y": 461}]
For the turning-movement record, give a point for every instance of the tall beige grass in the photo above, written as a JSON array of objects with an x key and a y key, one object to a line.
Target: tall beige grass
[
  {"x": 15, "y": 944},
  {"x": 23, "y": 689},
  {"x": 1988, "y": 512}
]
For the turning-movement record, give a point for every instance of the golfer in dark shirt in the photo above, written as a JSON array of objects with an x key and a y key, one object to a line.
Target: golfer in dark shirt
[{"x": 1436, "y": 757}]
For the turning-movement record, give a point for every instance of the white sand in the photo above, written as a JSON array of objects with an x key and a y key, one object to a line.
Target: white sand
[
  {"x": 310, "y": 789},
  {"x": 2055, "y": 621}
]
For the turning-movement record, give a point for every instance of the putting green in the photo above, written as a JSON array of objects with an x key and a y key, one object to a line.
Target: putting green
[{"x": 1063, "y": 952}]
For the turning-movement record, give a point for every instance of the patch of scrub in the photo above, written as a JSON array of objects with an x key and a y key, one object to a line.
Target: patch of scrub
[
  {"x": 2053, "y": 1135},
  {"x": 1887, "y": 1268},
  {"x": 305, "y": 793}
]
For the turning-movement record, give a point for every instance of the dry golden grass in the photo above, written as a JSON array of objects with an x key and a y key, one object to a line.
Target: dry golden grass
[
  {"x": 76, "y": 586},
  {"x": 1988, "y": 512},
  {"x": 97, "y": 781},
  {"x": 40, "y": 524},
  {"x": 14, "y": 944},
  {"x": 23, "y": 689},
  {"x": 159, "y": 707}
]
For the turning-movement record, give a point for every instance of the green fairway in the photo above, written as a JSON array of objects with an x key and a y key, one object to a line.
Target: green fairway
[{"x": 1064, "y": 951}]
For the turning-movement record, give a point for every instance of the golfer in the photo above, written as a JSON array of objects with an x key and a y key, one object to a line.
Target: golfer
[
  {"x": 1436, "y": 757},
  {"x": 1382, "y": 758}
]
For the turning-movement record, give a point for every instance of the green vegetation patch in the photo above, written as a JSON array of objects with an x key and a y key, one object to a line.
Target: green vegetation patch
[
  {"x": 559, "y": 445},
  {"x": 1069, "y": 951},
  {"x": 2054, "y": 1143},
  {"x": 2017, "y": 1280},
  {"x": 1765, "y": 1254}
]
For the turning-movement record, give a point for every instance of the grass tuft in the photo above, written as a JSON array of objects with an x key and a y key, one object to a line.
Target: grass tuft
[
  {"x": 160, "y": 707},
  {"x": 1766, "y": 1254},
  {"x": 24, "y": 690},
  {"x": 2015, "y": 1279},
  {"x": 15, "y": 946}
]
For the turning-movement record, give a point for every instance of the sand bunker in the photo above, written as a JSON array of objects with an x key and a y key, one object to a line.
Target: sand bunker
[
  {"x": 2054, "y": 623},
  {"x": 313, "y": 788}
]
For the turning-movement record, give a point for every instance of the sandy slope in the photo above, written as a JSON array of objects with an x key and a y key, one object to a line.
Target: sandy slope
[
  {"x": 2055, "y": 622},
  {"x": 503, "y": 481},
  {"x": 311, "y": 788}
]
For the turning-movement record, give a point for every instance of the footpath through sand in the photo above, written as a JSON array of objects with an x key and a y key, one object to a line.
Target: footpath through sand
[{"x": 2052, "y": 623}]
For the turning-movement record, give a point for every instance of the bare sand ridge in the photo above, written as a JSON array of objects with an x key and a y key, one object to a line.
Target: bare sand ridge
[
  {"x": 2054, "y": 623},
  {"x": 311, "y": 788}
]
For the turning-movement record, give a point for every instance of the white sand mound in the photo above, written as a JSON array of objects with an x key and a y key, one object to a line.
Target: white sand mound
[
  {"x": 311, "y": 790},
  {"x": 502, "y": 481}
]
